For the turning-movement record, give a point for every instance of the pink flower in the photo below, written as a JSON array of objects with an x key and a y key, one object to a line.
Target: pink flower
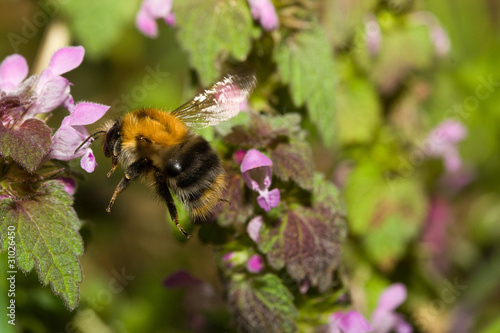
[
  {"x": 13, "y": 70},
  {"x": 256, "y": 171},
  {"x": 384, "y": 319},
  {"x": 53, "y": 89},
  {"x": 255, "y": 264},
  {"x": 69, "y": 184},
  {"x": 253, "y": 228},
  {"x": 73, "y": 132},
  {"x": 443, "y": 142},
  {"x": 265, "y": 13},
  {"x": 22, "y": 98},
  {"x": 239, "y": 155},
  {"x": 150, "y": 11},
  {"x": 349, "y": 322}
]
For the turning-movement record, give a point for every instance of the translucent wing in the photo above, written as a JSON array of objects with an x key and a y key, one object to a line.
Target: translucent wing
[{"x": 219, "y": 102}]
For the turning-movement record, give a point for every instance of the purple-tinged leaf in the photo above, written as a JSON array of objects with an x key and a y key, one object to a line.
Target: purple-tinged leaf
[
  {"x": 238, "y": 210},
  {"x": 294, "y": 161},
  {"x": 306, "y": 244},
  {"x": 27, "y": 145},
  {"x": 263, "y": 131},
  {"x": 46, "y": 237},
  {"x": 262, "y": 304},
  {"x": 244, "y": 138}
]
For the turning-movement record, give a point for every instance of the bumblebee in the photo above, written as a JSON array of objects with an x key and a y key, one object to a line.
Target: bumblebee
[{"x": 160, "y": 147}]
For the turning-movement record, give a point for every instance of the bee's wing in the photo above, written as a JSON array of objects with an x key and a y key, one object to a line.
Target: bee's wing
[{"x": 219, "y": 102}]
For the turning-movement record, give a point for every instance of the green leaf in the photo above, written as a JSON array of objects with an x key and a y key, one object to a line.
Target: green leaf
[
  {"x": 98, "y": 25},
  {"x": 358, "y": 112},
  {"x": 294, "y": 161},
  {"x": 212, "y": 31},
  {"x": 262, "y": 304},
  {"x": 28, "y": 144},
  {"x": 306, "y": 244},
  {"x": 387, "y": 213},
  {"x": 46, "y": 237},
  {"x": 305, "y": 61},
  {"x": 327, "y": 203}
]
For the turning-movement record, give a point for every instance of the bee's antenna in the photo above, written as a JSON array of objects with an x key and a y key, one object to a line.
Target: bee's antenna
[{"x": 87, "y": 139}]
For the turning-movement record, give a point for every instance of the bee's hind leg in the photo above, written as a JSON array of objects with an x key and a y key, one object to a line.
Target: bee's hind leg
[
  {"x": 164, "y": 192},
  {"x": 132, "y": 172}
]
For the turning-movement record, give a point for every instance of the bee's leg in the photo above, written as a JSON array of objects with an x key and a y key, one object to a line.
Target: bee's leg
[
  {"x": 114, "y": 164},
  {"x": 132, "y": 172},
  {"x": 226, "y": 201},
  {"x": 164, "y": 192}
]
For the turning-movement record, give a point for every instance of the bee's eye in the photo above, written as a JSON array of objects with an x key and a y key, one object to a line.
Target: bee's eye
[{"x": 142, "y": 138}]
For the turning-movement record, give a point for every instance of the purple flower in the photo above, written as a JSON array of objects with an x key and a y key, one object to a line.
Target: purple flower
[
  {"x": 22, "y": 98},
  {"x": 256, "y": 171},
  {"x": 239, "y": 155},
  {"x": 53, "y": 89},
  {"x": 13, "y": 70},
  {"x": 253, "y": 228},
  {"x": 384, "y": 319},
  {"x": 443, "y": 142},
  {"x": 255, "y": 264},
  {"x": 69, "y": 184},
  {"x": 349, "y": 322},
  {"x": 150, "y": 11},
  {"x": 73, "y": 132},
  {"x": 265, "y": 13}
]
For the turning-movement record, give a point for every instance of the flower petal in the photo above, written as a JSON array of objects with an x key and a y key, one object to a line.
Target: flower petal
[
  {"x": 86, "y": 113},
  {"x": 13, "y": 70},
  {"x": 158, "y": 8},
  {"x": 253, "y": 228},
  {"x": 54, "y": 92},
  {"x": 254, "y": 159},
  {"x": 69, "y": 184},
  {"x": 264, "y": 11},
  {"x": 255, "y": 264},
  {"x": 65, "y": 141},
  {"x": 392, "y": 297},
  {"x": 274, "y": 197},
  {"x": 263, "y": 203},
  {"x": 452, "y": 160},
  {"x": 145, "y": 23},
  {"x": 88, "y": 162},
  {"x": 66, "y": 59},
  {"x": 350, "y": 322},
  {"x": 170, "y": 19}
]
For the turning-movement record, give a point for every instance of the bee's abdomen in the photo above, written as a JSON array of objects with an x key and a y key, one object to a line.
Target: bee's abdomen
[{"x": 196, "y": 176}]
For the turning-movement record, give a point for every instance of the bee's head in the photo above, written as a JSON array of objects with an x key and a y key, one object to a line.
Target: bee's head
[
  {"x": 111, "y": 131},
  {"x": 112, "y": 136}
]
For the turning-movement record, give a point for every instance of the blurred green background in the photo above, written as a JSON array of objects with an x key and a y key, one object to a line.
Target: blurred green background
[{"x": 386, "y": 105}]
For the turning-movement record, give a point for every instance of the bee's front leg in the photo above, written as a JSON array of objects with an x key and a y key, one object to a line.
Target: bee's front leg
[
  {"x": 114, "y": 164},
  {"x": 133, "y": 171}
]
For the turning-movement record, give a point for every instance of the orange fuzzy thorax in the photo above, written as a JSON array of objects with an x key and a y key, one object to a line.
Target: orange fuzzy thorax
[{"x": 159, "y": 127}]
